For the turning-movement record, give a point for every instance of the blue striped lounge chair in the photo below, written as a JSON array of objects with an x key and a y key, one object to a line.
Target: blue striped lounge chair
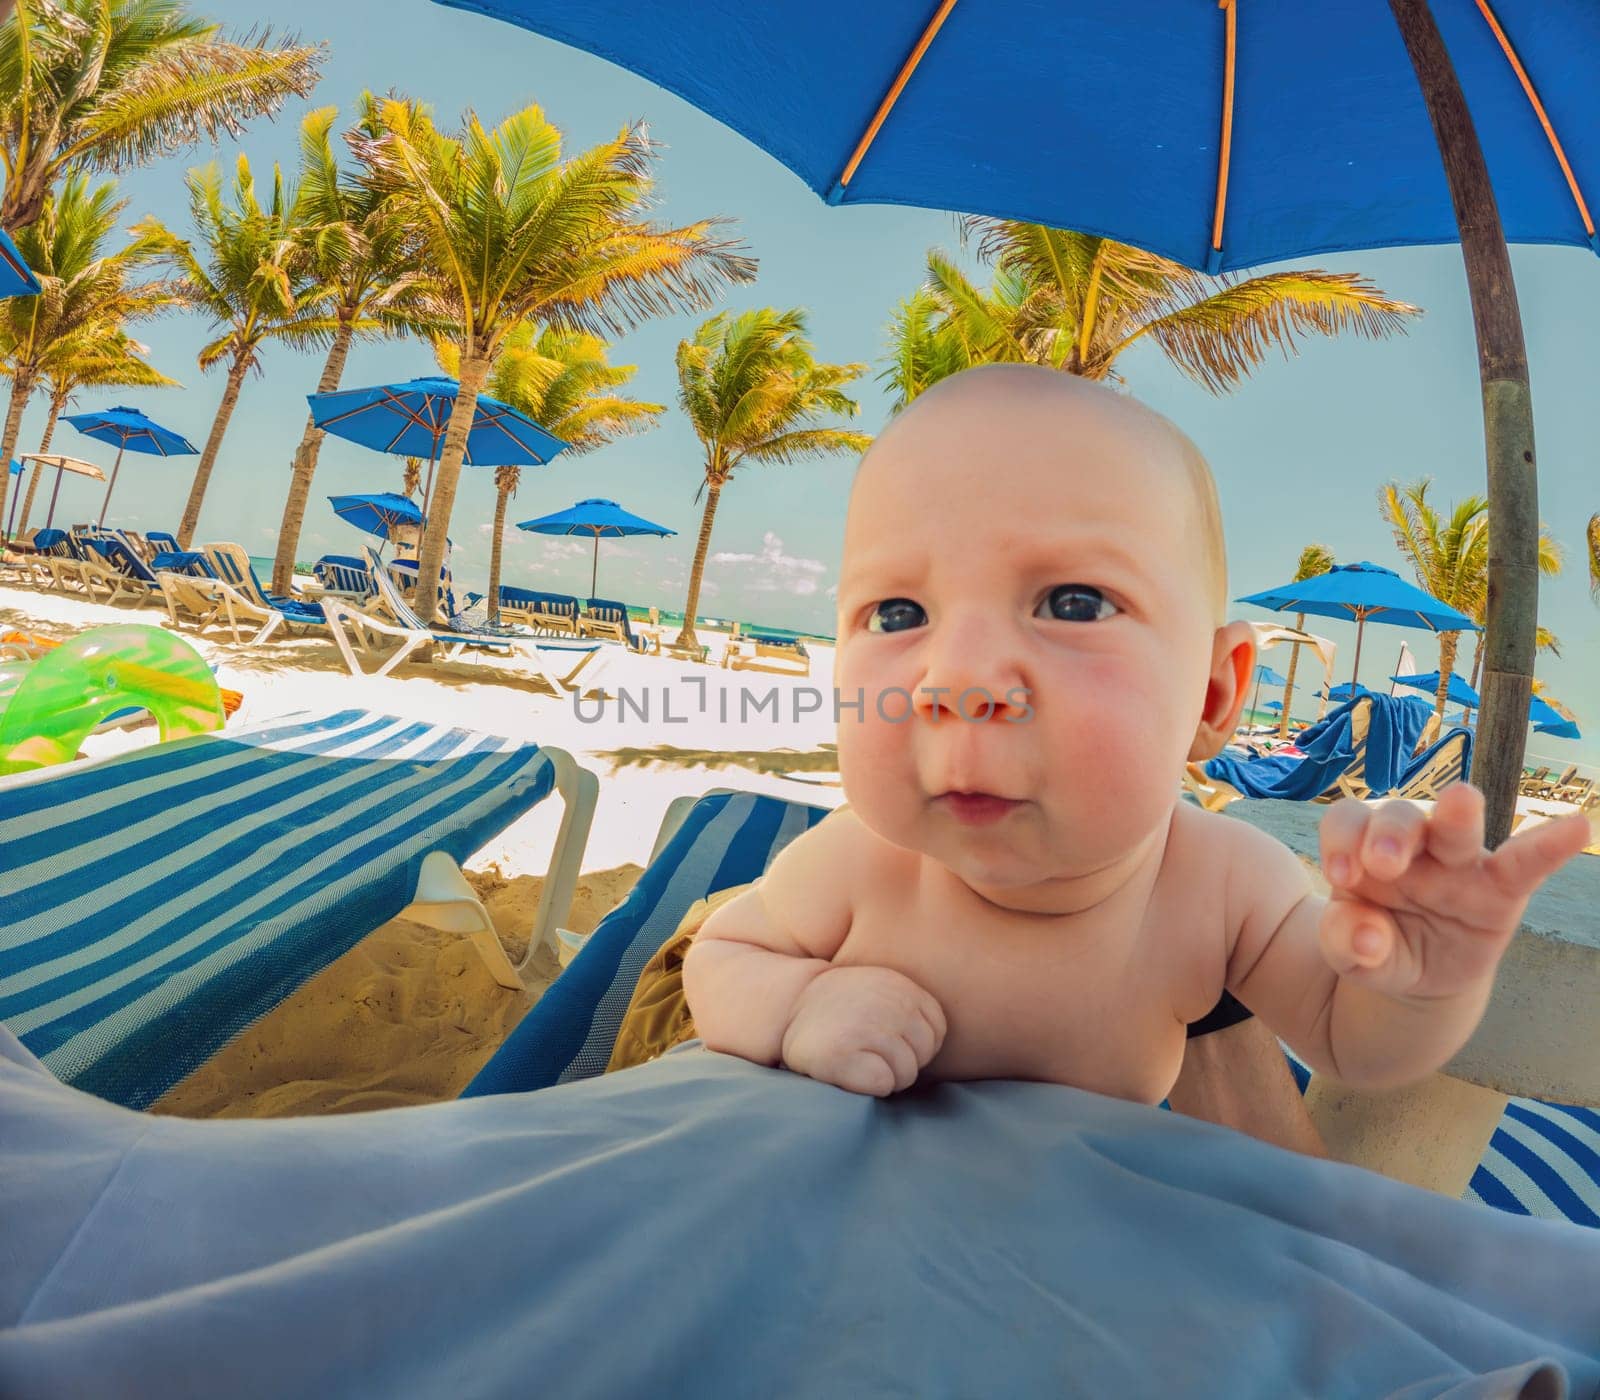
[
  {"x": 343, "y": 576},
  {"x": 605, "y": 617},
  {"x": 1544, "y": 1159},
  {"x": 554, "y": 613},
  {"x": 233, "y": 568},
  {"x": 564, "y": 666},
  {"x": 158, "y": 902}
]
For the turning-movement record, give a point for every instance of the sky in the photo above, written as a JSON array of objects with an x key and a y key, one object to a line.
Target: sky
[{"x": 1300, "y": 451}]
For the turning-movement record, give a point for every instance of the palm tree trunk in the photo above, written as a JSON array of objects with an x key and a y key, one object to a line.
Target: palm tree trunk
[
  {"x": 21, "y": 391},
  {"x": 1288, "y": 689},
  {"x": 686, "y": 637},
  {"x": 1448, "y": 642},
  {"x": 1512, "y": 612},
  {"x": 304, "y": 466},
  {"x": 208, "y": 458},
  {"x": 474, "y": 370},
  {"x": 495, "y": 546},
  {"x": 56, "y": 405}
]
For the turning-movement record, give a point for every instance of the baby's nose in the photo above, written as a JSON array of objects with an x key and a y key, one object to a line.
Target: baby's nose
[{"x": 974, "y": 670}]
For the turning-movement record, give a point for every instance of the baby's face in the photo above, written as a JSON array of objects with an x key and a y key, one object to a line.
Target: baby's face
[{"x": 1034, "y": 544}]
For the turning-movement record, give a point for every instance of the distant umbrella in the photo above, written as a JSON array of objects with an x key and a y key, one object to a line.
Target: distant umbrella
[
  {"x": 598, "y": 518},
  {"x": 1265, "y": 675},
  {"x": 132, "y": 431},
  {"x": 379, "y": 513},
  {"x": 1460, "y": 693},
  {"x": 62, "y": 465}
]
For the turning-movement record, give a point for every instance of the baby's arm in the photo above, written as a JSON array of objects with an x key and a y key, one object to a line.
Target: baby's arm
[
  {"x": 760, "y": 982},
  {"x": 1383, "y": 982}
]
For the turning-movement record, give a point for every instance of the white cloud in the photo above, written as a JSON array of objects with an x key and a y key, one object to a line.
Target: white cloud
[{"x": 772, "y": 570}]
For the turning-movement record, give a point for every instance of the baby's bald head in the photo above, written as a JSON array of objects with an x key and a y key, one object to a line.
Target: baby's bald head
[{"x": 1035, "y": 422}]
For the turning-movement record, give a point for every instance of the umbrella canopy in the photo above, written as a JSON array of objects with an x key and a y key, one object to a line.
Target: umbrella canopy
[
  {"x": 1121, "y": 121},
  {"x": 599, "y": 518},
  {"x": 379, "y": 513},
  {"x": 1546, "y": 719},
  {"x": 16, "y": 277},
  {"x": 410, "y": 419},
  {"x": 63, "y": 465},
  {"x": 132, "y": 431},
  {"x": 1361, "y": 593},
  {"x": 1265, "y": 675},
  {"x": 1460, "y": 693}
]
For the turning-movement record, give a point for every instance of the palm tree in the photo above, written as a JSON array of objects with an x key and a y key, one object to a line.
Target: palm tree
[
  {"x": 1450, "y": 559},
  {"x": 87, "y": 295},
  {"x": 251, "y": 277},
  {"x": 562, "y": 380},
  {"x": 512, "y": 232},
  {"x": 1076, "y": 302},
  {"x": 1315, "y": 559},
  {"x": 367, "y": 266},
  {"x": 754, "y": 393},
  {"x": 411, "y": 479},
  {"x": 1592, "y": 547},
  {"x": 102, "y": 85},
  {"x": 115, "y": 359}
]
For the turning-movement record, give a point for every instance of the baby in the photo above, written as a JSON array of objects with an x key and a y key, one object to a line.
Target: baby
[{"x": 1031, "y": 603}]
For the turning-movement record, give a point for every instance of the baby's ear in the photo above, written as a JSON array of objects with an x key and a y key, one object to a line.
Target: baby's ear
[{"x": 1233, "y": 659}]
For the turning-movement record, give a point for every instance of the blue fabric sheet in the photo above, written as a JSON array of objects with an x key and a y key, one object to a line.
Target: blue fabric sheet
[
  {"x": 1397, "y": 723},
  {"x": 702, "y": 1226}
]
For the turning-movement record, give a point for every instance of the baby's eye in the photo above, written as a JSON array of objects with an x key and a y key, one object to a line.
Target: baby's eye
[
  {"x": 896, "y": 615},
  {"x": 1076, "y": 602}
]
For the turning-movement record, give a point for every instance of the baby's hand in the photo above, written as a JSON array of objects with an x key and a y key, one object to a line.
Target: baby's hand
[
  {"x": 1419, "y": 908},
  {"x": 866, "y": 1029}
]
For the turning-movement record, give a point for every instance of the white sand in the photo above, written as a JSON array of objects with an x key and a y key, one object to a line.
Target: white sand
[{"x": 409, "y": 1014}]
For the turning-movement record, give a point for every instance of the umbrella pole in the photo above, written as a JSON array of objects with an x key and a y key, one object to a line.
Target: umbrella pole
[
  {"x": 594, "y": 568},
  {"x": 51, "y": 515},
  {"x": 1513, "y": 605},
  {"x": 1392, "y": 681},
  {"x": 1355, "y": 675},
  {"x": 115, "y": 468},
  {"x": 11, "y": 520},
  {"x": 1255, "y": 702}
]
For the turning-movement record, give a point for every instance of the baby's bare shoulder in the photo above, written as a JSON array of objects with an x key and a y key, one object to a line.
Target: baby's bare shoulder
[{"x": 1254, "y": 870}]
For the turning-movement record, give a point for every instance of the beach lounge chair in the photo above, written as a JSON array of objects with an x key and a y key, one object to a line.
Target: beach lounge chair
[
  {"x": 559, "y": 663},
  {"x": 232, "y": 565},
  {"x": 343, "y": 576},
  {"x": 705, "y": 845},
  {"x": 1360, "y": 748},
  {"x": 1448, "y": 761},
  {"x": 778, "y": 656},
  {"x": 1543, "y": 1160},
  {"x": 160, "y": 901},
  {"x": 608, "y": 619},
  {"x": 552, "y": 613}
]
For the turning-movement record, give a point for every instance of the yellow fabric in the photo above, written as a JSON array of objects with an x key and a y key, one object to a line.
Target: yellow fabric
[{"x": 658, "y": 1017}]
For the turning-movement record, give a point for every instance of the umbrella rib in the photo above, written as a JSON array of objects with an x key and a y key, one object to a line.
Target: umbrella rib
[
  {"x": 890, "y": 98},
  {"x": 1538, "y": 108},
  {"x": 1225, "y": 152}
]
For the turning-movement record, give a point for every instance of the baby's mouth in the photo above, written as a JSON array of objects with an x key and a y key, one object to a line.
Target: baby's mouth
[{"x": 975, "y": 808}]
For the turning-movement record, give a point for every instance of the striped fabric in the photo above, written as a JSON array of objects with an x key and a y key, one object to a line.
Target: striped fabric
[
  {"x": 727, "y": 839},
  {"x": 158, "y": 902},
  {"x": 1544, "y": 1159}
]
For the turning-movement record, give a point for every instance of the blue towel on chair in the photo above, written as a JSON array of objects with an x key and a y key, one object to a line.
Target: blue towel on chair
[{"x": 1395, "y": 727}]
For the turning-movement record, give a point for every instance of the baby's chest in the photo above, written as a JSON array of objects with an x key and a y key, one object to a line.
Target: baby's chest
[{"x": 1092, "y": 1006}]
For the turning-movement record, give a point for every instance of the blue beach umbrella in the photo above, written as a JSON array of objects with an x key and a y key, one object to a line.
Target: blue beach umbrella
[
  {"x": 16, "y": 277},
  {"x": 378, "y": 513},
  {"x": 132, "y": 431},
  {"x": 1460, "y": 693},
  {"x": 411, "y": 419},
  {"x": 599, "y": 518},
  {"x": 1546, "y": 719},
  {"x": 1360, "y": 593},
  {"x": 1221, "y": 135},
  {"x": 1265, "y": 675}
]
